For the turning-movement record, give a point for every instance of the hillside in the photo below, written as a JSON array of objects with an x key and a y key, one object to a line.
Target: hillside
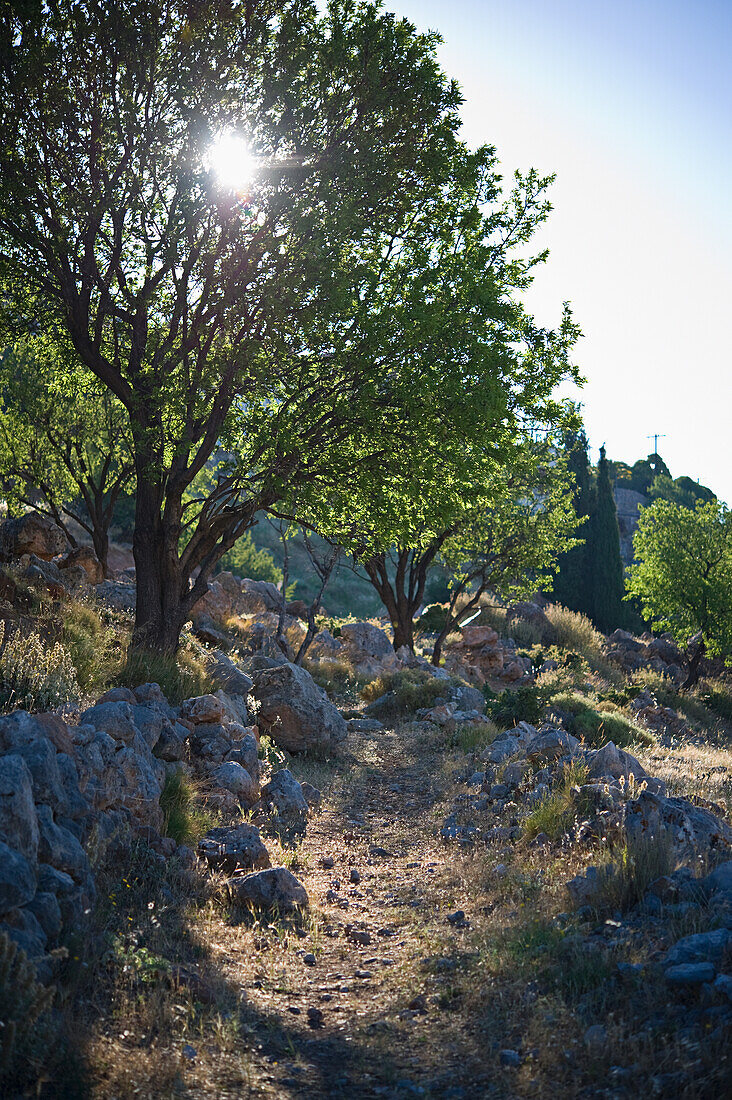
[{"x": 509, "y": 876}]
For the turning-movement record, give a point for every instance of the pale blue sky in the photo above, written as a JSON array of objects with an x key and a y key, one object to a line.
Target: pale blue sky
[{"x": 630, "y": 104}]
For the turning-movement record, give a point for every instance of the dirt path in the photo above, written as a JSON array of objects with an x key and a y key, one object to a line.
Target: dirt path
[{"x": 384, "y": 990}]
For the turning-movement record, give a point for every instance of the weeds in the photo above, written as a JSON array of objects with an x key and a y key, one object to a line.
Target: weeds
[
  {"x": 556, "y": 814},
  {"x": 34, "y": 676},
  {"x": 91, "y": 644},
  {"x": 409, "y": 690},
  {"x": 179, "y": 677},
  {"x": 183, "y": 819}
]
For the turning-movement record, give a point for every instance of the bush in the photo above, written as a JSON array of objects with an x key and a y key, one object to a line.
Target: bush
[
  {"x": 245, "y": 560},
  {"x": 411, "y": 689},
  {"x": 432, "y": 619},
  {"x": 333, "y": 676},
  {"x": 28, "y": 1032},
  {"x": 182, "y": 819},
  {"x": 179, "y": 677},
  {"x": 575, "y": 631},
  {"x": 90, "y": 643},
  {"x": 32, "y": 675},
  {"x": 596, "y": 725},
  {"x": 636, "y": 866},
  {"x": 473, "y": 737},
  {"x": 525, "y": 704},
  {"x": 717, "y": 697},
  {"x": 556, "y": 814}
]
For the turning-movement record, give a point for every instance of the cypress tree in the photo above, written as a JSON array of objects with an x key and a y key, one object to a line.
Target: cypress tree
[
  {"x": 607, "y": 585},
  {"x": 572, "y": 581}
]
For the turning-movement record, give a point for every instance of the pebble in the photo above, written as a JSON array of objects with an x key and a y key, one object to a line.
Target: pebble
[
  {"x": 510, "y": 1058},
  {"x": 355, "y": 876},
  {"x": 327, "y": 862},
  {"x": 309, "y": 959},
  {"x": 363, "y": 974},
  {"x": 595, "y": 1036},
  {"x": 315, "y": 1017}
]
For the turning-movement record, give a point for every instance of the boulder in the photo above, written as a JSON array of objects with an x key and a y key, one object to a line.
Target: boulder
[
  {"x": 31, "y": 534},
  {"x": 83, "y": 557},
  {"x": 245, "y": 751},
  {"x": 227, "y": 675},
  {"x": 610, "y": 762},
  {"x": 364, "y": 640},
  {"x": 232, "y": 847},
  {"x": 256, "y": 596},
  {"x": 588, "y": 889},
  {"x": 704, "y": 947},
  {"x": 18, "y": 818},
  {"x": 531, "y": 613},
  {"x": 17, "y": 879},
  {"x": 202, "y": 709},
  {"x": 692, "y": 831},
  {"x": 285, "y": 794},
  {"x": 325, "y": 645},
  {"x": 550, "y": 745},
  {"x": 22, "y": 926},
  {"x": 116, "y": 719},
  {"x": 60, "y": 848},
  {"x": 233, "y": 777},
  {"x": 276, "y": 888},
  {"x": 297, "y": 713}
]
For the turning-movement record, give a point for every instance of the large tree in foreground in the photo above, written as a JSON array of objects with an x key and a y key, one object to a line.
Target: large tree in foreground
[
  {"x": 274, "y": 315},
  {"x": 682, "y": 576}
]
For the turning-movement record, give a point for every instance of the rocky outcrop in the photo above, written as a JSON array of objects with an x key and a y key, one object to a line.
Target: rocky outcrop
[
  {"x": 32, "y": 533},
  {"x": 296, "y": 712}
]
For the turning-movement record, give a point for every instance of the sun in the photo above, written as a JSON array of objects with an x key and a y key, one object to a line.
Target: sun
[{"x": 232, "y": 161}]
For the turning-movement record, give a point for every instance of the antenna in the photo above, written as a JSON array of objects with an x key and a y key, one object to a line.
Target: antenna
[{"x": 655, "y": 437}]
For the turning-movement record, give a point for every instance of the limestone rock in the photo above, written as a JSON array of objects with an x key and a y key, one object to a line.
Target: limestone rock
[
  {"x": 296, "y": 711},
  {"x": 83, "y": 557},
  {"x": 31, "y": 534},
  {"x": 364, "y": 640},
  {"x": 550, "y": 745},
  {"x": 233, "y": 777},
  {"x": 17, "y": 879},
  {"x": 614, "y": 763},
  {"x": 285, "y": 793},
  {"x": 202, "y": 709},
  {"x": 18, "y": 818},
  {"x": 232, "y": 847},
  {"x": 276, "y": 888},
  {"x": 227, "y": 675},
  {"x": 692, "y": 831}
]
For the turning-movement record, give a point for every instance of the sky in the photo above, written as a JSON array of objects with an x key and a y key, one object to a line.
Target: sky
[{"x": 630, "y": 104}]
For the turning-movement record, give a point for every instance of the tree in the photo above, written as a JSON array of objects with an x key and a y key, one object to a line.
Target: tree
[
  {"x": 607, "y": 587},
  {"x": 505, "y": 538},
  {"x": 250, "y": 319},
  {"x": 64, "y": 440},
  {"x": 682, "y": 575},
  {"x": 245, "y": 560},
  {"x": 571, "y": 585},
  {"x": 645, "y": 470},
  {"x": 681, "y": 490}
]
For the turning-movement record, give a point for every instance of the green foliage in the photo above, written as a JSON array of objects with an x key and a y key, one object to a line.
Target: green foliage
[
  {"x": 28, "y": 1032},
  {"x": 556, "y": 814},
  {"x": 179, "y": 677},
  {"x": 473, "y": 737},
  {"x": 574, "y": 631},
  {"x": 645, "y": 472},
  {"x": 598, "y": 724},
  {"x": 91, "y": 645},
  {"x": 681, "y": 490},
  {"x": 634, "y": 867},
  {"x": 245, "y": 560},
  {"x": 717, "y": 697},
  {"x": 524, "y": 704},
  {"x": 570, "y": 586},
  {"x": 411, "y": 689},
  {"x": 183, "y": 819},
  {"x": 33, "y": 675},
  {"x": 432, "y": 619},
  {"x": 603, "y": 546},
  {"x": 683, "y": 571}
]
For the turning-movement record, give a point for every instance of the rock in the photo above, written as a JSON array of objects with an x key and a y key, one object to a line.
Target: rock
[
  {"x": 17, "y": 879},
  {"x": 47, "y": 574},
  {"x": 18, "y": 818},
  {"x": 115, "y": 719},
  {"x": 364, "y": 640},
  {"x": 690, "y": 973},
  {"x": 118, "y": 695},
  {"x": 324, "y": 645},
  {"x": 595, "y": 1037},
  {"x": 587, "y": 889},
  {"x": 296, "y": 711},
  {"x": 172, "y": 745},
  {"x": 245, "y": 751},
  {"x": 312, "y": 795},
  {"x": 255, "y": 596},
  {"x": 83, "y": 557},
  {"x": 232, "y": 847},
  {"x": 69, "y": 896},
  {"x": 276, "y": 888},
  {"x": 501, "y": 749},
  {"x": 707, "y": 947},
  {"x": 206, "y": 631},
  {"x": 614, "y": 763},
  {"x": 510, "y": 1058},
  {"x": 550, "y": 745},
  {"x": 23, "y": 927},
  {"x": 692, "y": 831},
  {"x": 202, "y": 709},
  {"x": 233, "y": 777},
  {"x": 285, "y": 793},
  {"x": 532, "y": 613},
  {"x": 354, "y": 876},
  {"x": 31, "y": 534},
  {"x": 119, "y": 595},
  {"x": 719, "y": 881},
  {"x": 364, "y": 725},
  {"x": 469, "y": 698},
  {"x": 226, "y": 675},
  {"x": 723, "y": 986},
  {"x": 61, "y": 849},
  {"x": 45, "y": 908}
]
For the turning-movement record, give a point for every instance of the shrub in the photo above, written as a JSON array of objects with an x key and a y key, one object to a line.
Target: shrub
[
  {"x": 245, "y": 560},
  {"x": 411, "y": 689},
  {"x": 556, "y": 814},
  {"x": 32, "y": 675},
  {"x": 596, "y": 725},
  {"x": 525, "y": 704},
  {"x": 717, "y": 697},
  {"x": 179, "y": 677},
  {"x": 473, "y": 737},
  {"x": 573, "y": 630},
  {"x": 636, "y": 865},
  {"x": 182, "y": 819},
  {"x": 525, "y": 633},
  {"x": 90, "y": 643},
  {"x": 432, "y": 619},
  {"x": 27, "y": 1034},
  {"x": 333, "y": 676}
]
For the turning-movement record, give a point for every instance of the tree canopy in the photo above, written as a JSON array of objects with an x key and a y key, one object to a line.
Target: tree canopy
[
  {"x": 683, "y": 573},
  {"x": 347, "y": 308}
]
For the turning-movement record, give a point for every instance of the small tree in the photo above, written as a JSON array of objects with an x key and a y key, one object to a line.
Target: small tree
[
  {"x": 65, "y": 447},
  {"x": 607, "y": 586},
  {"x": 683, "y": 576},
  {"x": 571, "y": 585}
]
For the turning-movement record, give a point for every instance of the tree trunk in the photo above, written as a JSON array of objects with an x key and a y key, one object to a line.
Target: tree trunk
[
  {"x": 100, "y": 540},
  {"x": 695, "y": 652},
  {"x": 162, "y": 606}
]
